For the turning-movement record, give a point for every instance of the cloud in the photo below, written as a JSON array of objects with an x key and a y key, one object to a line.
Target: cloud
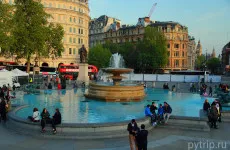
[{"x": 212, "y": 15}]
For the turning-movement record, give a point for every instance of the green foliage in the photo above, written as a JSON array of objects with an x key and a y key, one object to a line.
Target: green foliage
[
  {"x": 25, "y": 31},
  {"x": 200, "y": 62},
  {"x": 99, "y": 56},
  {"x": 152, "y": 50},
  {"x": 6, "y": 26},
  {"x": 213, "y": 64}
]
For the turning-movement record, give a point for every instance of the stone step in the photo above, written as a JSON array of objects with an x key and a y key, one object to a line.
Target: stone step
[
  {"x": 64, "y": 135},
  {"x": 185, "y": 127}
]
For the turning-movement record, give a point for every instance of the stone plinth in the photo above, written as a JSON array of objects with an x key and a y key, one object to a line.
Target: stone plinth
[{"x": 83, "y": 73}]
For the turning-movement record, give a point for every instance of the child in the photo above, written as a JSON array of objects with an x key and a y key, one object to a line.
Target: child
[{"x": 160, "y": 113}]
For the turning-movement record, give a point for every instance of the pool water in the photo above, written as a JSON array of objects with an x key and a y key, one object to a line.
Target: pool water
[{"x": 75, "y": 108}]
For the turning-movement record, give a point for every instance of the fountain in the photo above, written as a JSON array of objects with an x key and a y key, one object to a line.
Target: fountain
[{"x": 117, "y": 92}]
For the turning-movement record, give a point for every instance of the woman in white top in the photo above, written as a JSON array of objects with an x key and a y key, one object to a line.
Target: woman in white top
[{"x": 36, "y": 116}]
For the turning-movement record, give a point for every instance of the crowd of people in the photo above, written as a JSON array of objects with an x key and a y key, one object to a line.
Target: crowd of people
[
  {"x": 162, "y": 115},
  {"x": 6, "y": 93},
  {"x": 44, "y": 118},
  {"x": 213, "y": 112}
]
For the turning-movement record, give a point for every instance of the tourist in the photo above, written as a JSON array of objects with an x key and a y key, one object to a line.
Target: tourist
[
  {"x": 149, "y": 114},
  {"x": 190, "y": 89},
  {"x": 167, "y": 112},
  {"x": 3, "y": 107},
  {"x": 142, "y": 139},
  {"x": 213, "y": 115},
  {"x": 153, "y": 109},
  {"x": 133, "y": 129},
  {"x": 210, "y": 91},
  {"x": 36, "y": 116},
  {"x": 50, "y": 86},
  {"x": 56, "y": 120},
  {"x": 160, "y": 113},
  {"x": 219, "y": 108},
  {"x": 174, "y": 88},
  {"x": 206, "y": 106},
  {"x": 45, "y": 119}
]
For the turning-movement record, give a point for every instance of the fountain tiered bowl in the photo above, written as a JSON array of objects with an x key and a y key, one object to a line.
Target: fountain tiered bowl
[{"x": 117, "y": 92}]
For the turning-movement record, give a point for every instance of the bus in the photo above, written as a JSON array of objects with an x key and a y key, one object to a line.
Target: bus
[
  {"x": 71, "y": 71},
  {"x": 189, "y": 72},
  {"x": 23, "y": 68}
]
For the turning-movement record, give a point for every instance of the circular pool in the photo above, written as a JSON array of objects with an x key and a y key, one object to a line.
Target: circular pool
[{"x": 75, "y": 108}]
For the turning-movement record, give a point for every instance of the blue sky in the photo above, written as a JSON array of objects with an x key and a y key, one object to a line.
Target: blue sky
[{"x": 207, "y": 20}]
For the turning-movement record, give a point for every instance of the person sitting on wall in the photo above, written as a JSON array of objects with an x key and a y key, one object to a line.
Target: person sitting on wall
[
  {"x": 149, "y": 114},
  {"x": 167, "y": 111},
  {"x": 160, "y": 114},
  {"x": 45, "y": 115},
  {"x": 36, "y": 116},
  {"x": 56, "y": 120}
]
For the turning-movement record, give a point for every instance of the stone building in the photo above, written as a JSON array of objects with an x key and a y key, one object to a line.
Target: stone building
[
  {"x": 199, "y": 49},
  {"x": 213, "y": 53},
  {"x": 192, "y": 55},
  {"x": 73, "y": 15},
  {"x": 226, "y": 57},
  {"x": 98, "y": 26},
  {"x": 177, "y": 38}
]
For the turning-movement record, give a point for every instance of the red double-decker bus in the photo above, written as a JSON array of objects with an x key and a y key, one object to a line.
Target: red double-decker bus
[{"x": 71, "y": 71}]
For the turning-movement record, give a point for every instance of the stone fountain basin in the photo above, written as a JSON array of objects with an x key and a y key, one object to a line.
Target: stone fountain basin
[{"x": 117, "y": 70}]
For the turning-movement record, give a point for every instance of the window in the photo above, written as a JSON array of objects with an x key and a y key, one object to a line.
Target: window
[
  {"x": 168, "y": 45},
  {"x": 70, "y": 19},
  {"x": 63, "y": 6},
  {"x": 79, "y": 31},
  {"x": 59, "y": 6},
  {"x": 168, "y": 29},
  {"x": 183, "y": 46},
  {"x": 10, "y": 2},
  {"x": 168, "y": 53},
  {"x": 70, "y": 39},
  {"x": 50, "y": 5},
  {"x": 70, "y": 51},
  {"x": 182, "y": 54},
  {"x": 74, "y": 51},
  {"x": 59, "y": 18},
  {"x": 176, "y": 54},
  {"x": 176, "y": 63},
  {"x": 70, "y": 29},
  {"x": 176, "y": 46},
  {"x": 74, "y": 40},
  {"x": 70, "y": 7},
  {"x": 79, "y": 41},
  {"x": 183, "y": 64},
  {"x": 74, "y": 8},
  {"x": 74, "y": 30}
]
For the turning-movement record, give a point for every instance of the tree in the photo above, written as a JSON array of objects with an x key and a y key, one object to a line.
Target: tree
[
  {"x": 32, "y": 33},
  {"x": 99, "y": 56},
  {"x": 6, "y": 26},
  {"x": 200, "y": 62},
  {"x": 152, "y": 51},
  {"x": 213, "y": 64}
]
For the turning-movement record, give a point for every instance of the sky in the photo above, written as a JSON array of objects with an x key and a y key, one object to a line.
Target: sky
[{"x": 207, "y": 20}]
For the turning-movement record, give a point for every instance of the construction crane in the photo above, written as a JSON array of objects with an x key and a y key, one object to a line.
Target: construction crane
[{"x": 152, "y": 10}]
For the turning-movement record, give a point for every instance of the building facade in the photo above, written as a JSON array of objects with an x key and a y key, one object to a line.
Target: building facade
[
  {"x": 226, "y": 57},
  {"x": 191, "y": 53},
  {"x": 99, "y": 26},
  {"x": 73, "y": 15}
]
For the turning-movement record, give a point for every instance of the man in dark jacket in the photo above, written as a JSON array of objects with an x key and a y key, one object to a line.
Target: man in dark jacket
[
  {"x": 142, "y": 140},
  {"x": 133, "y": 129},
  {"x": 167, "y": 111},
  {"x": 153, "y": 109},
  {"x": 213, "y": 115}
]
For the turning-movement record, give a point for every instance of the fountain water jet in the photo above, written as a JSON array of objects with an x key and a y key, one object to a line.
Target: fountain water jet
[{"x": 117, "y": 92}]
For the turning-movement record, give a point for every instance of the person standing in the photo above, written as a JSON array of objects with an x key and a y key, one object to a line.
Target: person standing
[
  {"x": 167, "y": 112},
  {"x": 133, "y": 129},
  {"x": 213, "y": 115},
  {"x": 3, "y": 106},
  {"x": 142, "y": 138},
  {"x": 206, "y": 106},
  {"x": 210, "y": 91}
]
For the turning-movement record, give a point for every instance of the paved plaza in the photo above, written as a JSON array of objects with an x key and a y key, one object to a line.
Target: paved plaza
[{"x": 159, "y": 139}]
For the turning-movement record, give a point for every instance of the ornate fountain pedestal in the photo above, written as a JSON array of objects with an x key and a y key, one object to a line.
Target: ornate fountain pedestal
[
  {"x": 83, "y": 73},
  {"x": 117, "y": 92}
]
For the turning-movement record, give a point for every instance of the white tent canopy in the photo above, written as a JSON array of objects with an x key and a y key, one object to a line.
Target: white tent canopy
[
  {"x": 16, "y": 72},
  {"x": 6, "y": 78},
  {"x": 4, "y": 70}
]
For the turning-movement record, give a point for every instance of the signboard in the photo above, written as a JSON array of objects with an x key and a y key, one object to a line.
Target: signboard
[{"x": 68, "y": 70}]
